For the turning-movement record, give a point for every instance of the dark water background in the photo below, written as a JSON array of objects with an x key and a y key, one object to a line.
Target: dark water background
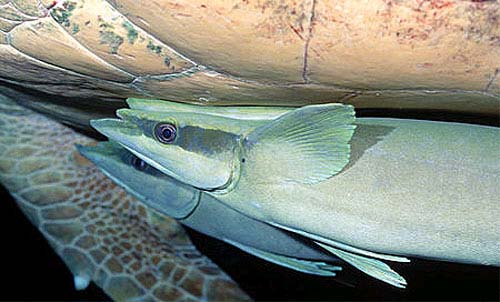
[{"x": 32, "y": 271}]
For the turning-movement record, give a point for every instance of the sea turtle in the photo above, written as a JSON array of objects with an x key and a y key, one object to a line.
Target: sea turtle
[
  {"x": 431, "y": 55},
  {"x": 83, "y": 58}
]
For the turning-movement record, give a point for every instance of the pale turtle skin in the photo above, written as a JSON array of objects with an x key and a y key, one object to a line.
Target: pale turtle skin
[
  {"x": 103, "y": 234},
  {"x": 431, "y": 55}
]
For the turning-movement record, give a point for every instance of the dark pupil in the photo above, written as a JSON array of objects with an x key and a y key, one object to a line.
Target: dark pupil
[
  {"x": 138, "y": 163},
  {"x": 165, "y": 133}
]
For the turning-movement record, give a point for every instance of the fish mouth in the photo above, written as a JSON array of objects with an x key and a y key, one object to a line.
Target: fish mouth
[
  {"x": 100, "y": 151},
  {"x": 91, "y": 153}
]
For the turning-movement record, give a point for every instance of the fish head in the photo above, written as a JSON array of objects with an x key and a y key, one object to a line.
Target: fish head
[
  {"x": 200, "y": 150},
  {"x": 209, "y": 152}
]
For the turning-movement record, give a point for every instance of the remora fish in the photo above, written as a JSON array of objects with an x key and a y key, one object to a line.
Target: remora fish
[
  {"x": 415, "y": 188},
  {"x": 205, "y": 214}
]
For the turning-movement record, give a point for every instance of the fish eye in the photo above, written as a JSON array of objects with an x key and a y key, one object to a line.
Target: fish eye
[
  {"x": 138, "y": 163},
  {"x": 165, "y": 133}
]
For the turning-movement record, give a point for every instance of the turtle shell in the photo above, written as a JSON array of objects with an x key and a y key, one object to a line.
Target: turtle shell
[{"x": 440, "y": 55}]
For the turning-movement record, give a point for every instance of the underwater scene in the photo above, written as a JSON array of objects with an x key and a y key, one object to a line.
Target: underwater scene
[{"x": 311, "y": 150}]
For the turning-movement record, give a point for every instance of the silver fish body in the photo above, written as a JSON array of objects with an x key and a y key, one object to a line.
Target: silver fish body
[
  {"x": 194, "y": 208},
  {"x": 360, "y": 190},
  {"x": 415, "y": 188}
]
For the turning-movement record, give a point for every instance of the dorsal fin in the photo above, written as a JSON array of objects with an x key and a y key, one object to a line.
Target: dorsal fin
[
  {"x": 307, "y": 145},
  {"x": 234, "y": 112}
]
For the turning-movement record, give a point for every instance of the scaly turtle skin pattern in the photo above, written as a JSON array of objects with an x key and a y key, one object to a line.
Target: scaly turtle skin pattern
[
  {"x": 101, "y": 233},
  {"x": 435, "y": 54}
]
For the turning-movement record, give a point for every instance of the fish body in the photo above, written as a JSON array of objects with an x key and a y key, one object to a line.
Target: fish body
[
  {"x": 423, "y": 189},
  {"x": 204, "y": 213},
  {"x": 369, "y": 187}
]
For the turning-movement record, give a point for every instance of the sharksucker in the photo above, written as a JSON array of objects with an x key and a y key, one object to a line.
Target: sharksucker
[
  {"x": 206, "y": 214},
  {"x": 360, "y": 192}
]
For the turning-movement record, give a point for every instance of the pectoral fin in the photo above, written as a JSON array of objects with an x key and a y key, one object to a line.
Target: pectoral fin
[
  {"x": 369, "y": 266},
  {"x": 305, "y": 266},
  {"x": 306, "y": 145}
]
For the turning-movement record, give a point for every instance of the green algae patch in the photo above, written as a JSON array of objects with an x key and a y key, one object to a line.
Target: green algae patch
[
  {"x": 75, "y": 29},
  {"x": 166, "y": 61},
  {"x": 110, "y": 38},
  {"x": 154, "y": 48},
  {"x": 157, "y": 49},
  {"x": 132, "y": 34},
  {"x": 62, "y": 14}
]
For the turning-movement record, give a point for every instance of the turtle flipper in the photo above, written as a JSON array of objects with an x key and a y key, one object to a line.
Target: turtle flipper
[{"x": 100, "y": 232}]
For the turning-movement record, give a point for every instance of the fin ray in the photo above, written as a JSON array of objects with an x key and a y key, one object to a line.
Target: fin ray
[
  {"x": 369, "y": 266},
  {"x": 342, "y": 246},
  {"x": 306, "y": 145}
]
